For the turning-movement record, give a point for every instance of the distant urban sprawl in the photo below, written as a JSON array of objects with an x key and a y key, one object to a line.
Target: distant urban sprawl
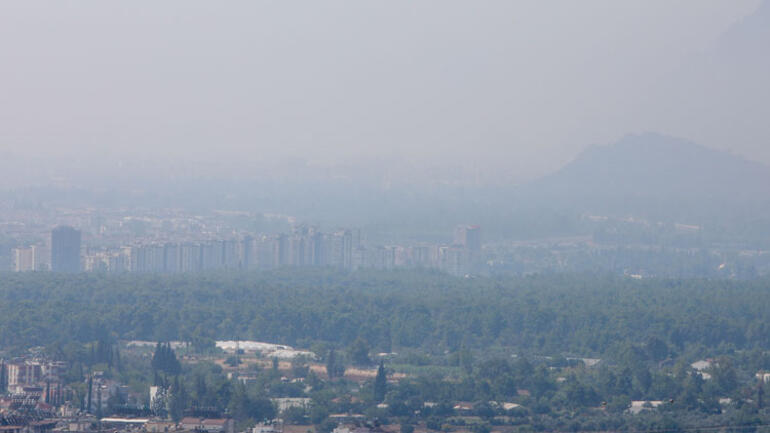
[{"x": 303, "y": 246}]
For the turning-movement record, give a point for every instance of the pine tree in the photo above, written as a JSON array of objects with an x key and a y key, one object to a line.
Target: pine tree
[
  {"x": 117, "y": 358},
  {"x": 359, "y": 352},
  {"x": 3, "y": 378},
  {"x": 156, "y": 358},
  {"x": 90, "y": 393},
  {"x": 107, "y": 349},
  {"x": 99, "y": 401},
  {"x": 200, "y": 390},
  {"x": 239, "y": 401},
  {"x": 331, "y": 364},
  {"x": 380, "y": 384},
  {"x": 177, "y": 400},
  {"x": 466, "y": 360},
  {"x": 164, "y": 360},
  {"x": 334, "y": 366}
]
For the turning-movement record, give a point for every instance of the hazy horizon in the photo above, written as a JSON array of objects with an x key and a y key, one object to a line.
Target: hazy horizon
[
  {"x": 346, "y": 216},
  {"x": 501, "y": 91}
]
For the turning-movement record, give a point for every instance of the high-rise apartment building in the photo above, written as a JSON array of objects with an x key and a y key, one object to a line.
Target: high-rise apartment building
[
  {"x": 33, "y": 258},
  {"x": 65, "y": 249},
  {"x": 468, "y": 237},
  {"x": 24, "y": 259}
]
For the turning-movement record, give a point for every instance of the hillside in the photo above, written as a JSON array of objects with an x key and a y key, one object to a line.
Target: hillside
[{"x": 650, "y": 172}]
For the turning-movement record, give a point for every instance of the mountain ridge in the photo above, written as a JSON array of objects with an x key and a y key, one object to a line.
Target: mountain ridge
[{"x": 654, "y": 170}]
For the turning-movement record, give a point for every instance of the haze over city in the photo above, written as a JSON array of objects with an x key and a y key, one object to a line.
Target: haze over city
[
  {"x": 501, "y": 92},
  {"x": 423, "y": 216}
]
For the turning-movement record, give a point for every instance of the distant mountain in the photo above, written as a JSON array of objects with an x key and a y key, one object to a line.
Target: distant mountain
[
  {"x": 747, "y": 40},
  {"x": 654, "y": 173},
  {"x": 720, "y": 95}
]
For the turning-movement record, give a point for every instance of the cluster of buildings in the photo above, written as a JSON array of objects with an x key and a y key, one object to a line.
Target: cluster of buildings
[
  {"x": 37, "y": 385},
  {"x": 31, "y": 376},
  {"x": 62, "y": 256},
  {"x": 33, "y": 400},
  {"x": 305, "y": 246},
  {"x": 31, "y": 386}
]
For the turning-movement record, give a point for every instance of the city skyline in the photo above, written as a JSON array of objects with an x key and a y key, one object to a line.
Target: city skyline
[{"x": 304, "y": 246}]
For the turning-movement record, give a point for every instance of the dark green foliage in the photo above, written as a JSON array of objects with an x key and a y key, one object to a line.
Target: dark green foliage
[
  {"x": 359, "y": 352},
  {"x": 164, "y": 360},
  {"x": 657, "y": 349},
  {"x": 480, "y": 428},
  {"x": 457, "y": 335},
  {"x": 3, "y": 378},
  {"x": 433, "y": 423},
  {"x": 380, "y": 384},
  {"x": 244, "y": 405},
  {"x": 299, "y": 367},
  {"x": 177, "y": 399},
  {"x": 203, "y": 345},
  {"x": 327, "y": 426},
  {"x": 334, "y": 365},
  {"x": 90, "y": 393},
  {"x": 583, "y": 314},
  {"x": 296, "y": 415}
]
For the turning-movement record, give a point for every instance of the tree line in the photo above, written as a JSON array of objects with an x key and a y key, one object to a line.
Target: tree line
[{"x": 585, "y": 314}]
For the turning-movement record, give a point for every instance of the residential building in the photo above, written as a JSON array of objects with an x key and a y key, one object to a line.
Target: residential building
[
  {"x": 468, "y": 236},
  {"x": 65, "y": 249}
]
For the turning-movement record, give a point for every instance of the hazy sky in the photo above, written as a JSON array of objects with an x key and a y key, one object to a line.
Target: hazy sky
[{"x": 517, "y": 86}]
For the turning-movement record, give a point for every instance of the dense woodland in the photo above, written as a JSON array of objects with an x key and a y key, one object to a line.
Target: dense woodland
[
  {"x": 458, "y": 339},
  {"x": 583, "y": 315}
]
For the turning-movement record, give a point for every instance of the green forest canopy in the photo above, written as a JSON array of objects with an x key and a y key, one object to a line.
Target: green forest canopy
[{"x": 584, "y": 314}]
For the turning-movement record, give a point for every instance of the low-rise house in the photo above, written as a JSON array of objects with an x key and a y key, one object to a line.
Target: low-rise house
[
  {"x": 207, "y": 425},
  {"x": 763, "y": 376},
  {"x": 357, "y": 429},
  {"x": 506, "y": 405},
  {"x": 281, "y": 404},
  {"x": 642, "y": 405},
  {"x": 190, "y": 423},
  {"x": 81, "y": 424},
  {"x": 298, "y": 428},
  {"x": 270, "y": 427},
  {"x": 123, "y": 423},
  {"x": 341, "y": 418},
  {"x": 42, "y": 426},
  {"x": 218, "y": 425},
  {"x": 159, "y": 426},
  {"x": 702, "y": 364},
  {"x": 463, "y": 406},
  {"x": 11, "y": 428},
  {"x": 247, "y": 380}
]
